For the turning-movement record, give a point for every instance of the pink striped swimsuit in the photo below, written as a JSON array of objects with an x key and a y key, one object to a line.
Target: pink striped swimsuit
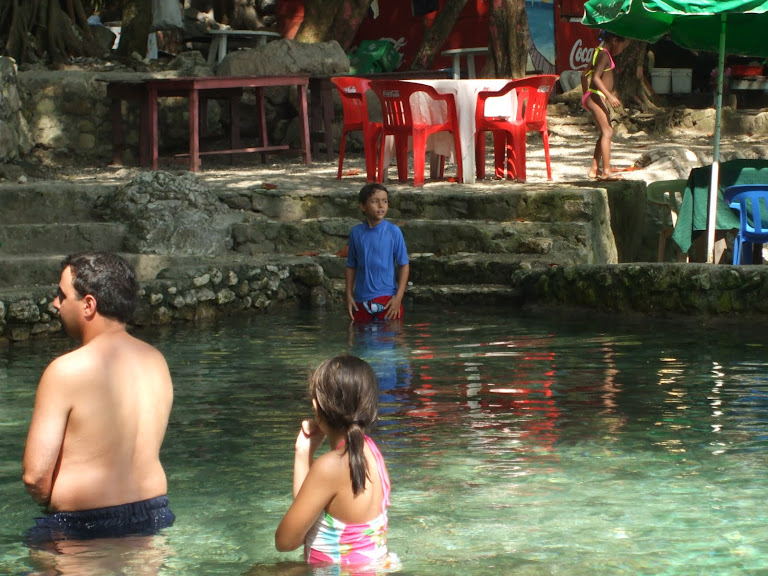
[{"x": 331, "y": 541}]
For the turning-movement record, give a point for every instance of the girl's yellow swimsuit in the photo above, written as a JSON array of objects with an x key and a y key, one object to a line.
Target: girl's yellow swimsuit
[{"x": 588, "y": 74}]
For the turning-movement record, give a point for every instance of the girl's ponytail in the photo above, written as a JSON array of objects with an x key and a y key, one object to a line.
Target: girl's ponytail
[{"x": 358, "y": 468}]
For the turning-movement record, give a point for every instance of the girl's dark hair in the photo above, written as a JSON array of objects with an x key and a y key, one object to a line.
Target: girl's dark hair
[
  {"x": 346, "y": 391},
  {"x": 605, "y": 36},
  {"x": 109, "y": 279},
  {"x": 369, "y": 189}
]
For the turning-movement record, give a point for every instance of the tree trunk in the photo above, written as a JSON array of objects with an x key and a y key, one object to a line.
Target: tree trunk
[
  {"x": 435, "y": 36},
  {"x": 34, "y": 29},
  {"x": 631, "y": 85},
  {"x": 318, "y": 17},
  {"x": 508, "y": 51},
  {"x": 347, "y": 21},
  {"x": 136, "y": 26}
]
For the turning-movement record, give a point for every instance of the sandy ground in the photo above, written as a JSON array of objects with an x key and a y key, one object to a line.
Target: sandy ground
[{"x": 649, "y": 158}]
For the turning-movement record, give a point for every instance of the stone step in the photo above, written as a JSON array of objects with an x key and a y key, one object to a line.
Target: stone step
[
  {"x": 458, "y": 269},
  {"x": 487, "y": 294},
  {"x": 24, "y": 239},
  {"x": 26, "y": 271},
  {"x": 18, "y": 272},
  {"x": 571, "y": 241},
  {"x": 49, "y": 202},
  {"x": 496, "y": 200}
]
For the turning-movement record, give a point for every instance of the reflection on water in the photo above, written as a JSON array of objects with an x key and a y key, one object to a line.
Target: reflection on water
[
  {"x": 135, "y": 555},
  {"x": 525, "y": 445}
]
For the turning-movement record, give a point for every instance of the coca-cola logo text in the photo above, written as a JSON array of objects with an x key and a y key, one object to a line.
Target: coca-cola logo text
[{"x": 580, "y": 56}]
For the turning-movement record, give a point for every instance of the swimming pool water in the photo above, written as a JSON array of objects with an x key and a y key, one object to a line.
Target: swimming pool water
[{"x": 531, "y": 445}]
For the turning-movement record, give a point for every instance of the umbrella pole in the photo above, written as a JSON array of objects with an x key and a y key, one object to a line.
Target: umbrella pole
[{"x": 714, "y": 182}]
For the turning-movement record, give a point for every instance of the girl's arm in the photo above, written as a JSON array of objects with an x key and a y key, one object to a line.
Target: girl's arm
[
  {"x": 318, "y": 488},
  {"x": 603, "y": 60}
]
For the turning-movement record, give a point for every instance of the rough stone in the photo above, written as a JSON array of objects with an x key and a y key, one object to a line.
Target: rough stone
[
  {"x": 286, "y": 56},
  {"x": 173, "y": 214},
  {"x": 24, "y": 310}
]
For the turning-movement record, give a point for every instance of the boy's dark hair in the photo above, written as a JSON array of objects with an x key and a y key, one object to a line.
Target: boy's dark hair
[
  {"x": 347, "y": 394},
  {"x": 109, "y": 279},
  {"x": 369, "y": 189}
]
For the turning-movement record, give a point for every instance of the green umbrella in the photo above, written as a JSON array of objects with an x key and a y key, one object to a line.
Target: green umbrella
[{"x": 722, "y": 26}]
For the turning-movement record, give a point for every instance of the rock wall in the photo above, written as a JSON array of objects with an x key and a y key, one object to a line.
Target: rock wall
[
  {"x": 190, "y": 292},
  {"x": 68, "y": 112},
  {"x": 15, "y": 137}
]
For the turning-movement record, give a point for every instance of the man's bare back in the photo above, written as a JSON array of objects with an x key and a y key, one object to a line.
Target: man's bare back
[{"x": 100, "y": 413}]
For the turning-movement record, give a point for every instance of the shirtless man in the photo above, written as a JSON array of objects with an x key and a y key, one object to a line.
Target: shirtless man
[{"x": 92, "y": 457}]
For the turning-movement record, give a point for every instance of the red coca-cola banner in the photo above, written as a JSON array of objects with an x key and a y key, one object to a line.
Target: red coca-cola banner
[{"x": 574, "y": 42}]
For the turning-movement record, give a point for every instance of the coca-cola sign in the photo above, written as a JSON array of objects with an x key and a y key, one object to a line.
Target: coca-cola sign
[
  {"x": 574, "y": 45},
  {"x": 581, "y": 56}
]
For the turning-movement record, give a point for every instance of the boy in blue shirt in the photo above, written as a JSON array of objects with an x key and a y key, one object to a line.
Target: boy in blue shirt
[{"x": 375, "y": 246}]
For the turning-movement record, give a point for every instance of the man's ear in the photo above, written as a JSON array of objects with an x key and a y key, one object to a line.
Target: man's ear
[{"x": 89, "y": 303}]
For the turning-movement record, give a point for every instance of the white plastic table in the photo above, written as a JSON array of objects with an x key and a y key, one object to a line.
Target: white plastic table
[
  {"x": 219, "y": 42},
  {"x": 469, "y": 53},
  {"x": 465, "y": 92}
]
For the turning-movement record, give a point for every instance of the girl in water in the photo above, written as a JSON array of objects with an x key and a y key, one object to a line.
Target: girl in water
[
  {"x": 339, "y": 511},
  {"x": 598, "y": 84}
]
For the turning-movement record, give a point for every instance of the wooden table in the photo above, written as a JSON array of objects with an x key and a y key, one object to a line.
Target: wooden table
[
  {"x": 470, "y": 54},
  {"x": 219, "y": 42},
  {"x": 199, "y": 90}
]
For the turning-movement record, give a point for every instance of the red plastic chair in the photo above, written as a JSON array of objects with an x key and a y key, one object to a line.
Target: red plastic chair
[
  {"x": 536, "y": 110},
  {"x": 352, "y": 91},
  {"x": 399, "y": 121},
  {"x": 510, "y": 133}
]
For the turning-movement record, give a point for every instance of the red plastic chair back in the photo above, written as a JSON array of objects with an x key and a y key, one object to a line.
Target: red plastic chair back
[
  {"x": 352, "y": 91},
  {"x": 533, "y": 94},
  {"x": 400, "y": 121},
  {"x": 508, "y": 133},
  {"x": 539, "y": 90}
]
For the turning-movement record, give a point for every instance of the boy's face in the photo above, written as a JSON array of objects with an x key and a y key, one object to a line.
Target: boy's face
[{"x": 375, "y": 208}]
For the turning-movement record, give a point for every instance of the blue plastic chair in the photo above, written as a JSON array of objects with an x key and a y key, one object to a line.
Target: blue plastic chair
[{"x": 751, "y": 200}]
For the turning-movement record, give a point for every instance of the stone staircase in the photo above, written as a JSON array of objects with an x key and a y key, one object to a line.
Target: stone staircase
[
  {"x": 43, "y": 221},
  {"x": 465, "y": 242},
  {"x": 461, "y": 242}
]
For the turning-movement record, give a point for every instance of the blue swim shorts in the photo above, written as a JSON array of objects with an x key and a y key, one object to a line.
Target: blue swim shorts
[{"x": 137, "y": 518}]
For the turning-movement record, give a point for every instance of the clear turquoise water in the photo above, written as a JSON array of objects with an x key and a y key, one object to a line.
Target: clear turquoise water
[{"x": 515, "y": 445}]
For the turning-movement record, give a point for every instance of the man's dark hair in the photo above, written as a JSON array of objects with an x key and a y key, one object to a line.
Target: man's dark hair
[
  {"x": 109, "y": 279},
  {"x": 369, "y": 189}
]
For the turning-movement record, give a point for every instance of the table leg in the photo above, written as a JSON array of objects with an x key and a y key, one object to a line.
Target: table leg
[
  {"x": 304, "y": 112},
  {"x": 456, "y": 66},
  {"x": 213, "y": 51},
  {"x": 327, "y": 93},
  {"x": 222, "y": 47},
  {"x": 144, "y": 131},
  {"x": 234, "y": 121},
  {"x": 470, "y": 66},
  {"x": 117, "y": 131},
  {"x": 194, "y": 130},
  {"x": 262, "y": 121},
  {"x": 152, "y": 125}
]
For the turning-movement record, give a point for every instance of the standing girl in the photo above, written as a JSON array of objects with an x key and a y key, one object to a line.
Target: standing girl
[
  {"x": 339, "y": 511},
  {"x": 597, "y": 82}
]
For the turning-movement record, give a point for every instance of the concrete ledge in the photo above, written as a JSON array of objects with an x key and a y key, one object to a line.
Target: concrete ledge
[{"x": 255, "y": 285}]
